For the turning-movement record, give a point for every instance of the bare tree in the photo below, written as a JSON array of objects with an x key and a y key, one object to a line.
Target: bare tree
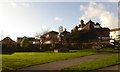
[{"x": 39, "y": 34}]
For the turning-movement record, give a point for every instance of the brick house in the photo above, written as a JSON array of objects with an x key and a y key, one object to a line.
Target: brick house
[
  {"x": 102, "y": 33},
  {"x": 49, "y": 37}
]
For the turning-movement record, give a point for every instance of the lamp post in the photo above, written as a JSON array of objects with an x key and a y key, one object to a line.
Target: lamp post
[{"x": 60, "y": 35}]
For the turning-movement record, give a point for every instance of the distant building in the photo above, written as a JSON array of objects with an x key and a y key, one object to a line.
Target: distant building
[{"x": 115, "y": 34}]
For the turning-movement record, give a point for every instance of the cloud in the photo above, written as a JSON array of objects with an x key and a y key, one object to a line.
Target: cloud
[
  {"x": 52, "y": 29},
  {"x": 13, "y": 4},
  {"x": 95, "y": 10},
  {"x": 113, "y": 0},
  {"x": 44, "y": 28},
  {"x": 26, "y": 4},
  {"x": 58, "y": 19}
]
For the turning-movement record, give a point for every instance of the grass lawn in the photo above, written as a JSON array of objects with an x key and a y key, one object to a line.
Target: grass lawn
[
  {"x": 95, "y": 64},
  {"x": 23, "y": 59}
]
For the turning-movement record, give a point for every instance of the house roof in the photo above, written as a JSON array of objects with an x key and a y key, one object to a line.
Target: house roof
[
  {"x": 75, "y": 28},
  {"x": 51, "y": 32},
  {"x": 81, "y": 25},
  {"x": 97, "y": 23},
  {"x": 7, "y": 40},
  {"x": 19, "y": 39},
  {"x": 30, "y": 38},
  {"x": 89, "y": 25},
  {"x": 115, "y": 29},
  {"x": 65, "y": 33}
]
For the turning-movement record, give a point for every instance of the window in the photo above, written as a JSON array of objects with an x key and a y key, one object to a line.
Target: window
[
  {"x": 96, "y": 26},
  {"x": 47, "y": 36}
]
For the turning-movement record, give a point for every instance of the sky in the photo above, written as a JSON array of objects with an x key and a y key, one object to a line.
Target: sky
[{"x": 26, "y": 18}]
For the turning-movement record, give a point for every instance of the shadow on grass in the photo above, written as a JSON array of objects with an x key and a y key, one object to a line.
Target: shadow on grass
[{"x": 7, "y": 53}]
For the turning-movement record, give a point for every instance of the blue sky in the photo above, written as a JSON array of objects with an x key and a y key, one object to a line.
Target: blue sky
[{"x": 27, "y": 18}]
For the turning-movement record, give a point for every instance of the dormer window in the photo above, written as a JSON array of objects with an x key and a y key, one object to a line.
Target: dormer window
[
  {"x": 79, "y": 28},
  {"x": 96, "y": 26},
  {"x": 47, "y": 36}
]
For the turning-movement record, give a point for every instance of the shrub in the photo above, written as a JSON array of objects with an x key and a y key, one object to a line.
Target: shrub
[{"x": 46, "y": 47}]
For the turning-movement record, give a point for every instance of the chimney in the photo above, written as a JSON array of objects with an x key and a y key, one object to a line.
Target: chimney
[
  {"x": 82, "y": 23},
  {"x": 65, "y": 29},
  {"x": 97, "y": 23}
]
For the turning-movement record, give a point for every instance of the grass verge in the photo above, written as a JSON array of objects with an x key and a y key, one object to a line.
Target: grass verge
[
  {"x": 24, "y": 59},
  {"x": 94, "y": 64}
]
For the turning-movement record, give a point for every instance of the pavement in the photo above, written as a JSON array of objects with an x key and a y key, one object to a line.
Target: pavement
[{"x": 114, "y": 68}]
